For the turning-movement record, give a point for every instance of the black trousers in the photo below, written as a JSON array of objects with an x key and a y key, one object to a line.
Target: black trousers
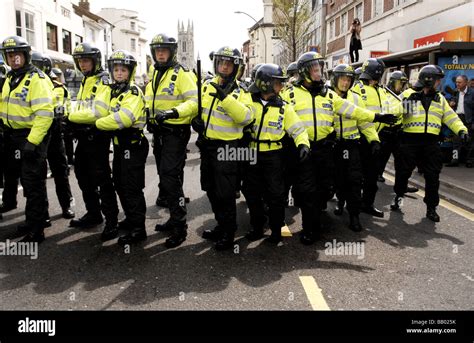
[
  {"x": 370, "y": 170},
  {"x": 290, "y": 168},
  {"x": 129, "y": 180},
  {"x": 219, "y": 181},
  {"x": 32, "y": 172},
  {"x": 170, "y": 154},
  {"x": 425, "y": 152},
  {"x": 94, "y": 175},
  {"x": 389, "y": 142},
  {"x": 264, "y": 181},
  {"x": 69, "y": 148},
  {"x": 315, "y": 183},
  {"x": 349, "y": 174},
  {"x": 59, "y": 167}
]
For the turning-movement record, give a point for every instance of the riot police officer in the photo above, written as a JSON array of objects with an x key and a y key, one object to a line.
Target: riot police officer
[
  {"x": 425, "y": 112},
  {"x": 126, "y": 122},
  {"x": 171, "y": 99},
  {"x": 264, "y": 177},
  {"x": 91, "y": 165},
  {"x": 27, "y": 114}
]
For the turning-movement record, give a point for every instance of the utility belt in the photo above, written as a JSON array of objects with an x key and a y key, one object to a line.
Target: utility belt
[
  {"x": 216, "y": 143},
  {"x": 83, "y": 131},
  {"x": 391, "y": 130},
  {"x": 129, "y": 136},
  {"x": 8, "y": 131},
  {"x": 328, "y": 141},
  {"x": 279, "y": 142},
  {"x": 347, "y": 142}
]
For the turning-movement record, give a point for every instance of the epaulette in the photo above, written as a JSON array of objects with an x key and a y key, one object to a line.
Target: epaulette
[{"x": 134, "y": 90}]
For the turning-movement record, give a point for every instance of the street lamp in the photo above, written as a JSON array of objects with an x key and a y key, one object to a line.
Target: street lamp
[{"x": 263, "y": 30}]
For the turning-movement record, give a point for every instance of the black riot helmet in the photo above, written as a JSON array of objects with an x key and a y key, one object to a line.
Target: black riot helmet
[
  {"x": 37, "y": 60},
  {"x": 429, "y": 75},
  {"x": 342, "y": 70},
  {"x": 162, "y": 40},
  {"x": 228, "y": 54},
  {"x": 254, "y": 71},
  {"x": 357, "y": 72},
  {"x": 398, "y": 80},
  {"x": 122, "y": 57},
  {"x": 16, "y": 44},
  {"x": 86, "y": 50},
  {"x": 266, "y": 77},
  {"x": 3, "y": 74},
  {"x": 292, "y": 69},
  {"x": 372, "y": 69},
  {"x": 306, "y": 62}
]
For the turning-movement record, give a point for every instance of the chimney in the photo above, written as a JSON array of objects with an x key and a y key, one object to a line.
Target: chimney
[{"x": 85, "y": 5}]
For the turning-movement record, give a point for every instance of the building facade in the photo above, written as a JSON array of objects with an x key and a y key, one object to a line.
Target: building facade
[{"x": 186, "y": 45}]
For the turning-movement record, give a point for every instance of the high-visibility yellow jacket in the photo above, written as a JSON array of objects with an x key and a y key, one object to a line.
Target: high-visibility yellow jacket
[
  {"x": 319, "y": 112},
  {"x": 126, "y": 111},
  {"x": 29, "y": 105},
  {"x": 271, "y": 123},
  {"x": 378, "y": 100},
  {"x": 350, "y": 129},
  {"x": 93, "y": 100},
  {"x": 61, "y": 97},
  {"x": 225, "y": 120},
  {"x": 417, "y": 120},
  {"x": 176, "y": 89}
]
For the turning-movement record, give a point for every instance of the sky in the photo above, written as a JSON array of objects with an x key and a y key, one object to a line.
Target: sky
[{"x": 215, "y": 23}]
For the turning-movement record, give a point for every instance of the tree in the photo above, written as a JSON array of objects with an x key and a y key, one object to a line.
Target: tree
[{"x": 291, "y": 19}]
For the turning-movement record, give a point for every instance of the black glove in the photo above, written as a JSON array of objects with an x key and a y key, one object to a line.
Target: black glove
[
  {"x": 303, "y": 152},
  {"x": 464, "y": 136},
  {"x": 29, "y": 151},
  {"x": 375, "y": 148},
  {"x": 221, "y": 93},
  {"x": 198, "y": 124},
  {"x": 389, "y": 119},
  {"x": 161, "y": 116}
]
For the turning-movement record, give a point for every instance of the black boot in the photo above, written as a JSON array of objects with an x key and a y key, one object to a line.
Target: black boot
[
  {"x": 225, "y": 242},
  {"x": 396, "y": 203},
  {"x": 355, "y": 223},
  {"x": 110, "y": 232},
  {"x": 177, "y": 237},
  {"x": 87, "y": 221},
  {"x": 412, "y": 189},
  {"x": 373, "y": 211},
  {"x": 254, "y": 234},
  {"x": 161, "y": 202},
  {"x": 212, "y": 235},
  {"x": 68, "y": 213},
  {"x": 432, "y": 215},
  {"x": 6, "y": 207},
  {"x": 136, "y": 235},
  {"x": 124, "y": 225},
  {"x": 275, "y": 237},
  {"x": 33, "y": 237},
  {"x": 339, "y": 209}
]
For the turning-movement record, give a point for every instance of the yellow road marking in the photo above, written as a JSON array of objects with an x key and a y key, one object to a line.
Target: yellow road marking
[
  {"x": 285, "y": 231},
  {"x": 444, "y": 203},
  {"x": 314, "y": 294}
]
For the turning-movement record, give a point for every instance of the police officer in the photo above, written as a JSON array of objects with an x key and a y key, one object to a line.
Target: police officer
[
  {"x": 318, "y": 108},
  {"x": 347, "y": 149},
  {"x": 375, "y": 99},
  {"x": 91, "y": 165},
  {"x": 292, "y": 72},
  {"x": 220, "y": 127},
  {"x": 56, "y": 152},
  {"x": 126, "y": 121},
  {"x": 425, "y": 112},
  {"x": 263, "y": 177},
  {"x": 27, "y": 114},
  {"x": 63, "y": 93},
  {"x": 171, "y": 99}
]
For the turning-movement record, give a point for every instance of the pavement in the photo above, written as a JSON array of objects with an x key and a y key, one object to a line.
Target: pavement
[{"x": 400, "y": 262}]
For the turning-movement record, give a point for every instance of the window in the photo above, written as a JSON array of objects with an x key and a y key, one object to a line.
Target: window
[
  {"x": 67, "y": 42},
  {"x": 52, "y": 36},
  {"x": 133, "y": 44},
  {"x": 18, "y": 23},
  {"x": 132, "y": 26},
  {"x": 332, "y": 27},
  {"x": 400, "y": 2},
  {"x": 344, "y": 23},
  {"x": 358, "y": 12},
  {"x": 30, "y": 28},
  {"x": 77, "y": 40},
  {"x": 378, "y": 7},
  {"x": 65, "y": 12},
  {"x": 184, "y": 46}
]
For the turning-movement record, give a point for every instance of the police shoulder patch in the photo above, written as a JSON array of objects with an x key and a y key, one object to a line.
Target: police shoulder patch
[
  {"x": 185, "y": 68},
  {"x": 134, "y": 90}
]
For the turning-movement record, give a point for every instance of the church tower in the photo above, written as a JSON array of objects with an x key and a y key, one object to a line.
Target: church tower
[{"x": 186, "y": 45}]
